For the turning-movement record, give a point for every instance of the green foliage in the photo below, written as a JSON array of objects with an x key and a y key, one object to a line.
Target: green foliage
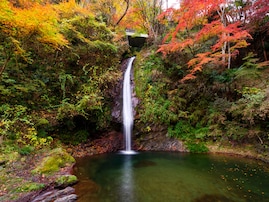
[
  {"x": 73, "y": 137},
  {"x": 218, "y": 111},
  {"x": 235, "y": 131},
  {"x": 193, "y": 136},
  {"x": 63, "y": 78},
  {"x": 158, "y": 112},
  {"x": 226, "y": 76},
  {"x": 66, "y": 80},
  {"x": 197, "y": 147},
  {"x": 247, "y": 74},
  {"x": 29, "y": 137},
  {"x": 185, "y": 131},
  {"x": 145, "y": 74},
  {"x": 247, "y": 108},
  {"x": 42, "y": 122},
  {"x": 66, "y": 110},
  {"x": 8, "y": 152},
  {"x": 80, "y": 136},
  {"x": 181, "y": 130},
  {"x": 151, "y": 87},
  {"x": 250, "y": 61},
  {"x": 26, "y": 150},
  {"x": 17, "y": 125}
]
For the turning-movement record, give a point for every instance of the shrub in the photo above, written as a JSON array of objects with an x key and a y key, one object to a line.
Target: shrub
[
  {"x": 197, "y": 147},
  {"x": 26, "y": 150}
]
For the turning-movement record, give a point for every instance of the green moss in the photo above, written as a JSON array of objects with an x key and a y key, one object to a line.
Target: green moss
[
  {"x": 42, "y": 121},
  {"x": 56, "y": 159},
  {"x": 31, "y": 186},
  {"x": 66, "y": 180}
]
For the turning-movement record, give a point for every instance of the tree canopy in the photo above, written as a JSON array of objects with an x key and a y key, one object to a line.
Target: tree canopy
[{"x": 222, "y": 25}]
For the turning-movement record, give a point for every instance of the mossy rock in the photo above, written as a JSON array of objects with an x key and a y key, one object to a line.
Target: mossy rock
[
  {"x": 57, "y": 158},
  {"x": 42, "y": 122},
  {"x": 66, "y": 180}
]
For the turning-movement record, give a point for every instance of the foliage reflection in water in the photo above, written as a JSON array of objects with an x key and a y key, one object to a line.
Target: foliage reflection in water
[{"x": 163, "y": 176}]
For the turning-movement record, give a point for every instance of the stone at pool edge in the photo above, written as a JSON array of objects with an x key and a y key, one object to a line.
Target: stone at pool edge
[
  {"x": 55, "y": 195},
  {"x": 69, "y": 198}
]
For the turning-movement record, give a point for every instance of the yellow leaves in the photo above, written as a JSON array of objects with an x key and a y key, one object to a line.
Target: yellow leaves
[
  {"x": 6, "y": 12},
  {"x": 67, "y": 9},
  {"x": 6, "y": 15},
  {"x": 31, "y": 21},
  {"x": 34, "y": 19}
]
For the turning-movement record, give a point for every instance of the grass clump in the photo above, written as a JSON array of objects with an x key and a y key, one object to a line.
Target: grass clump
[
  {"x": 26, "y": 150},
  {"x": 31, "y": 186}
]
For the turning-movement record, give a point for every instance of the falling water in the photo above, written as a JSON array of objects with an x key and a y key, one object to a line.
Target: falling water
[{"x": 128, "y": 108}]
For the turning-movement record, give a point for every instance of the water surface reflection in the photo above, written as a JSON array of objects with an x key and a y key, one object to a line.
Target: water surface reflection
[{"x": 162, "y": 176}]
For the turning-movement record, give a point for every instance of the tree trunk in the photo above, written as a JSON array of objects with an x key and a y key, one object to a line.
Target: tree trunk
[
  {"x": 4, "y": 66},
  {"x": 125, "y": 12},
  {"x": 229, "y": 56},
  {"x": 264, "y": 51}
]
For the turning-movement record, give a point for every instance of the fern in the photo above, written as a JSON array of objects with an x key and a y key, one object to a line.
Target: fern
[{"x": 63, "y": 78}]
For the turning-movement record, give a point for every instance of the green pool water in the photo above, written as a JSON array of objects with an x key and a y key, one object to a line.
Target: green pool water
[{"x": 162, "y": 176}]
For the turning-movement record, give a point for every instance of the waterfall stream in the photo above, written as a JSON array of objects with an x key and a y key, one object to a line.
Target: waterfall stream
[{"x": 127, "y": 111}]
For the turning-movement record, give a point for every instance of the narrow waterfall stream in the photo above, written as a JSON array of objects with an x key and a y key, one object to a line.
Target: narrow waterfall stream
[{"x": 127, "y": 111}]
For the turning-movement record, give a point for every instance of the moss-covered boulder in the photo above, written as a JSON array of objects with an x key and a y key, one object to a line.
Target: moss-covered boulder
[
  {"x": 66, "y": 180},
  {"x": 56, "y": 159}
]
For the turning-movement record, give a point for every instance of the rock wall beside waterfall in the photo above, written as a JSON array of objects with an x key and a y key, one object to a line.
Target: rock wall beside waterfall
[{"x": 156, "y": 140}]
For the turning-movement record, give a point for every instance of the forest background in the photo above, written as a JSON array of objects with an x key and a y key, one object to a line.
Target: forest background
[{"x": 202, "y": 75}]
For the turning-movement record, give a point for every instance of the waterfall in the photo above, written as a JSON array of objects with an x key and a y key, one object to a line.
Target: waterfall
[{"x": 127, "y": 111}]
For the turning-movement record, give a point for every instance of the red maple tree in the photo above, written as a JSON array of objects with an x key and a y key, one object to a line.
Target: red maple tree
[{"x": 198, "y": 22}]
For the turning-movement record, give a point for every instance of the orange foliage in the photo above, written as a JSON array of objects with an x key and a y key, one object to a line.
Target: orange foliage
[
  {"x": 38, "y": 19},
  {"x": 132, "y": 20},
  {"x": 175, "y": 45},
  {"x": 33, "y": 20}
]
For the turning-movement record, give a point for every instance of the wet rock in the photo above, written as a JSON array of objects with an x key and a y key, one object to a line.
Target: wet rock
[
  {"x": 55, "y": 194},
  {"x": 117, "y": 97},
  {"x": 65, "y": 181},
  {"x": 69, "y": 198},
  {"x": 107, "y": 143},
  {"x": 158, "y": 142},
  {"x": 152, "y": 137}
]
